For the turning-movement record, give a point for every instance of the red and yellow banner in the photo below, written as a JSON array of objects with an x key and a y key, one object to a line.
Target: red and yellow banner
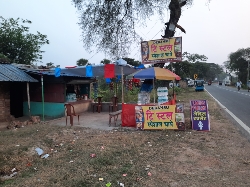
[
  {"x": 162, "y": 50},
  {"x": 156, "y": 117}
]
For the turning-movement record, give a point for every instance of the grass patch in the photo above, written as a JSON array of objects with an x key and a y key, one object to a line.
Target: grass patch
[{"x": 127, "y": 156}]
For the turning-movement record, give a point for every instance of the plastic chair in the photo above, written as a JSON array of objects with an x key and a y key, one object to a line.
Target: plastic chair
[
  {"x": 98, "y": 105},
  {"x": 114, "y": 104},
  {"x": 70, "y": 111}
]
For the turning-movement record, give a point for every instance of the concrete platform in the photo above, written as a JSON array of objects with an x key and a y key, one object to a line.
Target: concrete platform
[{"x": 91, "y": 120}]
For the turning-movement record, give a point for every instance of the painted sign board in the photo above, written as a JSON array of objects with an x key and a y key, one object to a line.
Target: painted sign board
[
  {"x": 200, "y": 115},
  {"x": 162, "y": 50},
  {"x": 155, "y": 117}
]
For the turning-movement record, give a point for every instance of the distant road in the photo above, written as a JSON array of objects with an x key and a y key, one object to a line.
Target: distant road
[{"x": 238, "y": 102}]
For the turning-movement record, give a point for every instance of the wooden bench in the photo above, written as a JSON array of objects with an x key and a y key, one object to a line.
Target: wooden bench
[{"x": 114, "y": 115}]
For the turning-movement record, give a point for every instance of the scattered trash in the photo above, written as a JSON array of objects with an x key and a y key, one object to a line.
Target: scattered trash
[
  {"x": 93, "y": 175},
  {"x": 149, "y": 174},
  {"x": 14, "y": 169},
  {"x": 102, "y": 147},
  {"x": 61, "y": 144},
  {"x": 124, "y": 175},
  {"x": 9, "y": 176},
  {"x": 17, "y": 145},
  {"x": 70, "y": 150},
  {"x": 131, "y": 161},
  {"x": 71, "y": 161},
  {"x": 146, "y": 169},
  {"x": 166, "y": 135},
  {"x": 100, "y": 179},
  {"x": 108, "y": 184},
  {"x": 28, "y": 164},
  {"x": 121, "y": 184},
  {"x": 39, "y": 151},
  {"x": 92, "y": 155},
  {"x": 45, "y": 156}
]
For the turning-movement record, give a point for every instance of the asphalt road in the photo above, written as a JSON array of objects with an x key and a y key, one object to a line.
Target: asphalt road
[{"x": 238, "y": 102}]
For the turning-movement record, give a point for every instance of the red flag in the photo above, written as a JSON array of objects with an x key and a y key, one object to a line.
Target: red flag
[{"x": 109, "y": 70}]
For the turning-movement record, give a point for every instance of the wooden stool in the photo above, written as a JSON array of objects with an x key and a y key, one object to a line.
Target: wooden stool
[{"x": 114, "y": 115}]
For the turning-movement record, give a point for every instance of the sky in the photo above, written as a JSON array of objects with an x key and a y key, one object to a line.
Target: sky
[{"x": 214, "y": 30}]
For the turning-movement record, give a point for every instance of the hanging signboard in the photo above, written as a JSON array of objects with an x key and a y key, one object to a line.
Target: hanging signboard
[
  {"x": 162, "y": 50},
  {"x": 155, "y": 117},
  {"x": 200, "y": 115}
]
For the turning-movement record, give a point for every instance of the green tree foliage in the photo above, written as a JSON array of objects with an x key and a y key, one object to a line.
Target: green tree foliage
[
  {"x": 4, "y": 59},
  {"x": 238, "y": 63},
  {"x": 110, "y": 25},
  {"x": 194, "y": 57},
  {"x": 82, "y": 62},
  {"x": 18, "y": 44},
  {"x": 105, "y": 61},
  {"x": 132, "y": 61},
  {"x": 194, "y": 64}
]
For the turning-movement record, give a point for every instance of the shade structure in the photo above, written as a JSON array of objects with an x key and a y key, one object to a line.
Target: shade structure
[{"x": 154, "y": 73}]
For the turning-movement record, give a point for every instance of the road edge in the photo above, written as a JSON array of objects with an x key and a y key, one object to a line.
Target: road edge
[{"x": 244, "y": 128}]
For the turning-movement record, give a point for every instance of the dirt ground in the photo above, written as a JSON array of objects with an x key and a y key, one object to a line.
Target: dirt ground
[{"x": 80, "y": 156}]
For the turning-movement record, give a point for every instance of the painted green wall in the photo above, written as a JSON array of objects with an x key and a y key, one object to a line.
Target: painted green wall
[{"x": 50, "y": 109}]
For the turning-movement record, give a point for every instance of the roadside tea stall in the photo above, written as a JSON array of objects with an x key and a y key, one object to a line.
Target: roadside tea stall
[{"x": 153, "y": 115}]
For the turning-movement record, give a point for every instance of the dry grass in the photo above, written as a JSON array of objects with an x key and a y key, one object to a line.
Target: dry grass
[{"x": 172, "y": 158}]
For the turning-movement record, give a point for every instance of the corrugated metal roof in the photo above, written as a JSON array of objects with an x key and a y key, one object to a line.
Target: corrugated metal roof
[
  {"x": 51, "y": 73},
  {"x": 9, "y": 72}
]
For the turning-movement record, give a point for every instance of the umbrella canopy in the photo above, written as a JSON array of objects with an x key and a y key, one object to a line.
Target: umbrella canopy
[{"x": 154, "y": 73}]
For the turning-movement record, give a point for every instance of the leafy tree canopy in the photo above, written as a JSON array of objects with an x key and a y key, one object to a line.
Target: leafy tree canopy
[
  {"x": 132, "y": 61},
  {"x": 105, "y": 61},
  {"x": 4, "y": 59},
  {"x": 110, "y": 25},
  {"x": 194, "y": 57},
  {"x": 238, "y": 63},
  {"x": 18, "y": 44},
  {"x": 82, "y": 62}
]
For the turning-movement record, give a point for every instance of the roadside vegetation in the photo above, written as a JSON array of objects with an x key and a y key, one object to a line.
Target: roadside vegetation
[{"x": 87, "y": 157}]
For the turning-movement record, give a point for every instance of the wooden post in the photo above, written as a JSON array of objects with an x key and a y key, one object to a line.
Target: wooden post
[
  {"x": 28, "y": 96},
  {"x": 122, "y": 84}
]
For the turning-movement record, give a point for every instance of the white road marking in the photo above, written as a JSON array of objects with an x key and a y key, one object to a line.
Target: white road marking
[{"x": 243, "y": 125}]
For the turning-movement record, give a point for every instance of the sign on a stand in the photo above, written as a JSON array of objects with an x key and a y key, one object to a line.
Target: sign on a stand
[
  {"x": 199, "y": 115},
  {"x": 195, "y": 76}
]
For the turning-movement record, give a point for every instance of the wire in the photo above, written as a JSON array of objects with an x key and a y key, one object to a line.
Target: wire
[{"x": 93, "y": 55}]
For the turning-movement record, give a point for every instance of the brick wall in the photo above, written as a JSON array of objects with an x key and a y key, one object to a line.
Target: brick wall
[{"x": 4, "y": 101}]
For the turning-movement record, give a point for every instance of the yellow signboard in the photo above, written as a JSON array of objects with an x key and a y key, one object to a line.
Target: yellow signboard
[
  {"x": 195, "y": 76},
  {"x": 159, "y": 117},
  {"x": 162, "y": 50}
]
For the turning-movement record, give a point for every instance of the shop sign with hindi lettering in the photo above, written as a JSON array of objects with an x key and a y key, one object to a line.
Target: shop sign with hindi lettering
[
  {"x": 155, "y": 117},
  {"x": 162, "y": 50},
  {"x": 199, "y": 115}
]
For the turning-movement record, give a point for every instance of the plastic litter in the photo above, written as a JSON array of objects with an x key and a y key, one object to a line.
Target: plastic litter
[
  {"x": 39, "y": 151},
  {"x": 100, "y": 179},
  {"x": 45, "y": 156},
  {"x": 108, "y": 184},
  {"x": 92, "y": 155}
]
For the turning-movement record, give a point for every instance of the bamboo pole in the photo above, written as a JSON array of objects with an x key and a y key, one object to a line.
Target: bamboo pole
[
  {"x": 122, "y": 84},
  {"x": 42, "y": 96},
  {"x": 28, "y": 96}
]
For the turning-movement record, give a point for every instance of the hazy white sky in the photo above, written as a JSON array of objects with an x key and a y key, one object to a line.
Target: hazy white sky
[{"x": 214, "y": 29}]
